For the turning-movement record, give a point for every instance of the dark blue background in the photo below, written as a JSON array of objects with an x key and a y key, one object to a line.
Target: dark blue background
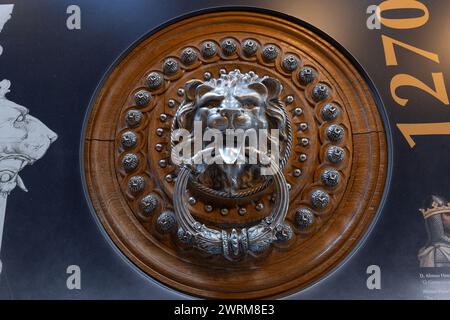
[{"x": 54, "y": 72}]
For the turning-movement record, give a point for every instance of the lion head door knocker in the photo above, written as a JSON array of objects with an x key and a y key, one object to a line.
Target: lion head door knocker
[
  {"x": 223, "y": 170},
  {"x": 251, "y": 152}
]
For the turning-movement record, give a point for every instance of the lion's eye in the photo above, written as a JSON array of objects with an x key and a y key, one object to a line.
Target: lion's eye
[{"x": 20, "y": 118}]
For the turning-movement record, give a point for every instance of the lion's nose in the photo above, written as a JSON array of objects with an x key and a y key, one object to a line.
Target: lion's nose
[{"x": 230, "y": 113}]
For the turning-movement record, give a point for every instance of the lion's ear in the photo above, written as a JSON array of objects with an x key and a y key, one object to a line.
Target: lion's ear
[
  {"x": 273, "y": 86},
  {"x": 259, "y": 88},
  {"x": 202, "y": 89},
  {"x": 190, "y": 89},
  {"x": 4, "y": 87}
]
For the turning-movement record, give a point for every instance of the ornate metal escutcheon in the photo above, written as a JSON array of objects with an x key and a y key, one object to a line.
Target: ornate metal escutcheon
[{"x": 286, "y": 165}]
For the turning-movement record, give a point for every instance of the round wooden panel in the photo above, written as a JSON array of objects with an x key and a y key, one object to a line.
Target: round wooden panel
[{"x": 335, "y": 171}]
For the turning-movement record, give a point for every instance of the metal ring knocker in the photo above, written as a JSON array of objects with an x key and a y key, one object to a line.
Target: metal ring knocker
[{"x": 234, "y": 244}]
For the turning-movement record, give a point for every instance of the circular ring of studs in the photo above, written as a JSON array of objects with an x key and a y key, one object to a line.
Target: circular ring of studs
[
  {"x": 130, "y": 162},
  {"x": 166, "y": 221},
  {"x": 270, "y": 52},
  {"x": 307, "y": 75},
  {"x": 320, "y": 199},
  {"x": 335, "y": 132},
  {"x": 320, "y": 92},
  {"x": 335, "y": 154},
  {"x": 290, "y": 63},
  {"x": 283, "y": 232},
  {"x": 148, "y": 204},
  {"x": 228, "y": 46},
  {"x": 208, "y": 49},
  {"x": 249, "y": 47},
  {"x": 330, "y": 178},
  {"x": 136, "y": 184},
  {"x": 170, "y": 66},
  {"x": 154, "y": 80},
  {"x": 128, "y": 139},
  {"x": 142, "y": 98},
  {"x": 133, "y": 118},
  {"x": 188, "y": 56},
  {"x": 329, "y": 112},
  {"x": 304, "y": 218}
]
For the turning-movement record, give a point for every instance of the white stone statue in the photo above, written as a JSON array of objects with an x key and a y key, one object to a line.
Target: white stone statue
[{"x": 23, "y": 140}]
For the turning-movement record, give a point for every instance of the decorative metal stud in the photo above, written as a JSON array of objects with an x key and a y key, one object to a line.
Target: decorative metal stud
[
  {"x": 180, "y": 92},
  {"x": 171, "y": 103},
  {"x": 224, "y": 211},
  {"x": 289, "y": 99},
  {"x": 166, "y": 221},
  {"x": 162, "y": 163},
  {"x": 270, "y": 52},
  {"x": 130, "y": 161},
  {"x": 169, "y": 178},
  {"x": 158, "y": 147},
  {"x": 335, "y": 132},
  {"x": 142, "y": 98},
  {"x": 320, "y": 92},
  {"x": 304, "y": 218},
  {"x": 228, "y": 46},
  {"x": 223, "y": 71},
  {"x": 170, "y": 66},
  {"x": 298, "y": 111},
  {"x": 290, "y": 63},
  {"x": 297, "y": 173},
  {"x": 133, "y": 118},
  {"x": 207, "y": 76},
  {"x": 320, "y": 199},
  {"x": 303, "y": 126},
  {"x": 303, "y": 157},
  {"x": 307, "y": 75},
  {"x": 136, "y": 184},
  {"x": 329, "y": 112},
  {"x": 188, "y": 56},
  {"x": 283, "y": 232},
  {"x": 330, "y": 178},
  {"x": 249, "y": 47},
  {"x": 159, "y": 132},
  {"x": 242, "y": 211},
  {"x": 305, "y": 141},
  {"x": 163, "y": 117},
  {"x": 154, "y": 80},
  {"x": 208, "y": 49},
  {"x": 208, "y": 208},
  {"x": 259, "y": 206},
  {"x": 185, "y": 236},
  {"x": 129, "y": 139},
  {"x": 192, "y": 201},
  {"x": 148, "y": 203},
  {"x": 288, "y": 185},
  {"x": 335, "y": 154}
]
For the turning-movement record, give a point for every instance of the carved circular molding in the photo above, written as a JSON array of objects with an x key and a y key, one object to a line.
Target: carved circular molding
[{"x": 334, "y": 169}]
